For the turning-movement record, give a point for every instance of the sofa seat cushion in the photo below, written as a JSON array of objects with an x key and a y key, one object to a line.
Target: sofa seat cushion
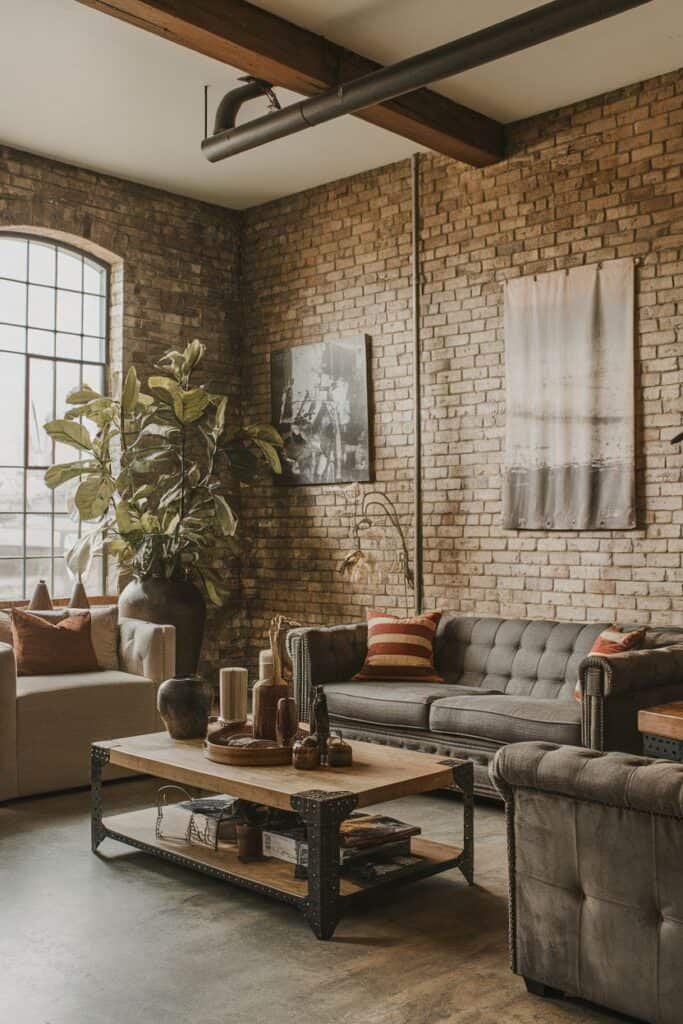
[
  {"x": 59, "y": 716},
  {"x": 402, "y": 705},
  {"x": 507, "y": 719}
]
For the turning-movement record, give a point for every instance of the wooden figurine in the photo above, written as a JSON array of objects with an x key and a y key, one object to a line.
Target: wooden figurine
[{"x": 282, "y": 663}]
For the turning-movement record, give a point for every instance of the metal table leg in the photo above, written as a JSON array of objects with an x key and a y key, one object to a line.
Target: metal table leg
[
  {"x": 322, "y": 814},
  {"x": 99, "y": 757},
  {"x": 463, "y": 781}
]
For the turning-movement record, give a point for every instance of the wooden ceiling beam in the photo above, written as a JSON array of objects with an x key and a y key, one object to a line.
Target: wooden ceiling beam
[{"x": 261, "y": 44}]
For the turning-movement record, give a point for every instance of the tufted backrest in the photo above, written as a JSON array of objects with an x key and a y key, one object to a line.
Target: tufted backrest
[
  {"x": 527, "y": 657},
  {"x": 595, "y": 870}
]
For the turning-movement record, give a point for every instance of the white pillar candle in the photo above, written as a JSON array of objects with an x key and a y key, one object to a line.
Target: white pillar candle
[
  {"x": 265, "y": 664},
  {"x": 234, "y": 684}
]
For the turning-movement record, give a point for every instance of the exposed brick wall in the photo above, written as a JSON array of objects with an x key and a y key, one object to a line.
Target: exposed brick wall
[
  {"x": 599, "y": 180},
  {"x": 175, "y": 277}
]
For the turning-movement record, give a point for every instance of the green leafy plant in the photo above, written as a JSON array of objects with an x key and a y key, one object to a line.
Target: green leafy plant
[{"x": 151, "y": 472}]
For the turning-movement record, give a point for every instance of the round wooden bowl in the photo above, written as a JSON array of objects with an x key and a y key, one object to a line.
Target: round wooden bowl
[{"x": 262, "y": 757}]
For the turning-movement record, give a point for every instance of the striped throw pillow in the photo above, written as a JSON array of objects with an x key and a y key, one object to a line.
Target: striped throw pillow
[
  {"x": 400, "y": 649},
  {"x": 613, "y": 641}
]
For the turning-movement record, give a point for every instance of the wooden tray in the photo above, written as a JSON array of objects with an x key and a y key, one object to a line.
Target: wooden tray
[{"x": 247, "y": 756}]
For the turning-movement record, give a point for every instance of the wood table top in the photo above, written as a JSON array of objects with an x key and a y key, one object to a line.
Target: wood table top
[
  {"x": 378, "y": 773},
  {"x": 663, "y": 720}
]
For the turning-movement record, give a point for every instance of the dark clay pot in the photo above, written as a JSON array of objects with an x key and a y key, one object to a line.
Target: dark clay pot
[
  {"x": 184, "y": 703},
  {"x": 169, "y": 602}
]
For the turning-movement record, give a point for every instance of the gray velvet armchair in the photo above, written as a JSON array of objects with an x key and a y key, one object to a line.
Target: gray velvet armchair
[{"x": 595, "y": 846}]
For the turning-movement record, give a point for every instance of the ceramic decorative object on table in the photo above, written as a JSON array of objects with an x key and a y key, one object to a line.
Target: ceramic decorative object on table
[
  {"x": 184, "y": 703},
  {"x": 306, "y": 753},
  {"x": 286, "y": 721},
  {"x": 266, "y": 695},
  {"x": 339, "y": 752},
  {"x": 233, "y": 696}
]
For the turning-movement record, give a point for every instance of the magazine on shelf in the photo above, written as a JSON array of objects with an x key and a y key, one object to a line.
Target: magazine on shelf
[
  {"x": 291, "y": 846},
  {"x": 360, "y": 830}
]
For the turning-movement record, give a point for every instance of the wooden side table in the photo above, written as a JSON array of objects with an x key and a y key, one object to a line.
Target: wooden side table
[{"x": 662, "y": 729}]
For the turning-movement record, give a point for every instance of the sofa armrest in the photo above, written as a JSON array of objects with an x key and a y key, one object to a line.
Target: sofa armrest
[
  {"x": 625, "y": 673},
  {"x": 147, "y": 649},
  {"x": 324, "y": 654},
  {"x": 614, "y": 779},
  {"x": 614, "y": 690},
  {"x": 8, "y": 723}
]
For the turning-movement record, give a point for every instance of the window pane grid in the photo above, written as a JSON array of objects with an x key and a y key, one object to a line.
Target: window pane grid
[{"x": 53, "y": 339}]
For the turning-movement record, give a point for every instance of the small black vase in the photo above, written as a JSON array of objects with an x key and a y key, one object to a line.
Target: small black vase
[{"x": 184, "y": 703}]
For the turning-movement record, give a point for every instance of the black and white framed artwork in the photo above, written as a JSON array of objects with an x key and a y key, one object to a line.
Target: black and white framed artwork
[{"x": 319, "y": 396}]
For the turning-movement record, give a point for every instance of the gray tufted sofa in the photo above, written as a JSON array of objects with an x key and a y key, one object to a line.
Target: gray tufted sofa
[
  {"x": 506, "y": 680},
  {"x": 595, "y": 846}
]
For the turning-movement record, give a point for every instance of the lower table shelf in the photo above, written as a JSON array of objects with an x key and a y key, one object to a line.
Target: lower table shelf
[{"x": 137, "y": 828}]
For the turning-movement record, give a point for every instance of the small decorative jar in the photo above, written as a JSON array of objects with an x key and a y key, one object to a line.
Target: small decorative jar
[
  {"x": 184, "y": 703},
  {"x": 339, "y": 753},
  {"x": 306, "y": 753}
]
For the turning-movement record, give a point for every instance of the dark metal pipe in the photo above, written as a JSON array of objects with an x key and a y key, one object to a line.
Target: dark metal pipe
[
  {"x": 529, "y": 29},
  {"x": 417, "y": 379},
  {"x": 229, "y": 106}
]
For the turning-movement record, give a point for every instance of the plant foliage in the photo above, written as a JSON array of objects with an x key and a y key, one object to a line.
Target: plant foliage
[{"x": 150, "y": 472}]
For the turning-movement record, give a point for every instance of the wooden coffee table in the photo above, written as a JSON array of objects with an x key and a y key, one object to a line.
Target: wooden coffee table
[
  {"x": 662, "y": 729},
  {"x": 323, "y": 798}
]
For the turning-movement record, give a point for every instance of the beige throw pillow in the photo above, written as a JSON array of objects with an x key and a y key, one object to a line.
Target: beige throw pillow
[{"x": 104, "y": 625}]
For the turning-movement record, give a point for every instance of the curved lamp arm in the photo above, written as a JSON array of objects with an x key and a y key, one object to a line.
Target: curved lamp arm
[{"x": 377, "y": 499}]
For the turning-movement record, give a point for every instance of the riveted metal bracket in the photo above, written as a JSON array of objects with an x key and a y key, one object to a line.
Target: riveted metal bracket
[{"x": 322, "y": 814}]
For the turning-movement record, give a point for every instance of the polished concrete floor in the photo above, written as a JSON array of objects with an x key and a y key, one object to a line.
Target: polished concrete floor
[{"x": 123, "y": 938}]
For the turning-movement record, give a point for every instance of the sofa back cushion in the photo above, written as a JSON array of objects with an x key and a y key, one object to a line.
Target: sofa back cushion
[{"x": 528, "y": 657}]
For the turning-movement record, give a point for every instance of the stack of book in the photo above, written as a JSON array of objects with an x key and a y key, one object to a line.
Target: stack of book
[{"x": 371, "y": 846}]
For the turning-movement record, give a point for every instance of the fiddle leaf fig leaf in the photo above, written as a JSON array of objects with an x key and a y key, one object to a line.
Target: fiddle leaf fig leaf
[
  {"x": 124, "y": 519},
  {"x": 270, "y": 454},
  {"x": 82, "y": 394},
  {"x": 165, "y": 389},
  {"x": 93, "y": 495},
  {"x": 61, "y": 473},
  {"x": 67, "y": 432},
  {"x": 131, "y": 391},
  {"x": 227, "y": 520},
  {"x": 191, "y": 405}
]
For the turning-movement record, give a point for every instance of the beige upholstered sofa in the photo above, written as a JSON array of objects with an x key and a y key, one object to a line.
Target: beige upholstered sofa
[{"x": 47, "y": 723}]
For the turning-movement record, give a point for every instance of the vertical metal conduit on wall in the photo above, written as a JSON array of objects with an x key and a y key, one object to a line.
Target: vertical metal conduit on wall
[{"x": 417, "y": 379}]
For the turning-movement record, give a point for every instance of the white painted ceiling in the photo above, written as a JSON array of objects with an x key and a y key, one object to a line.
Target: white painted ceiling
[{"x": 85, "y": 88}]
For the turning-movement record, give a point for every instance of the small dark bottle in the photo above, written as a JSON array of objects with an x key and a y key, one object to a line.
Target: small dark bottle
[{"x": 320, "y": 721}]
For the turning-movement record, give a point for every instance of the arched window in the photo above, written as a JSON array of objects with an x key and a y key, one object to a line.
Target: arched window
[{"x": 53, "y": 337}]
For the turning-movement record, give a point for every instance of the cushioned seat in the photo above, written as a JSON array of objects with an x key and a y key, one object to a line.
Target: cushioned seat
[
  {"x": 57, "y": 718},
  {"x": 507, "y": 719},
  {"x": 404, "y": 705}
]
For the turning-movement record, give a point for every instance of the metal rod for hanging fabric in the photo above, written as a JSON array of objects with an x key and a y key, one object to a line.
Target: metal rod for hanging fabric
[
  {"x": 417, "y": 379},
  {"x": 510, "y": 36}
]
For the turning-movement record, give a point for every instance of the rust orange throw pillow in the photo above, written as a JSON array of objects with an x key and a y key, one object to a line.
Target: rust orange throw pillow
[
  {"x": 400, "y": 649},
  {"x": 612, "y": 641},
  {"x": 45, "y": 648}
]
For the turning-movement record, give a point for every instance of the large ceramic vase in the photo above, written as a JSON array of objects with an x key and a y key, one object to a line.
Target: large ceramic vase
[
  {"x": 174, "y": 603},
  {"x": 184, "y": 703}
]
